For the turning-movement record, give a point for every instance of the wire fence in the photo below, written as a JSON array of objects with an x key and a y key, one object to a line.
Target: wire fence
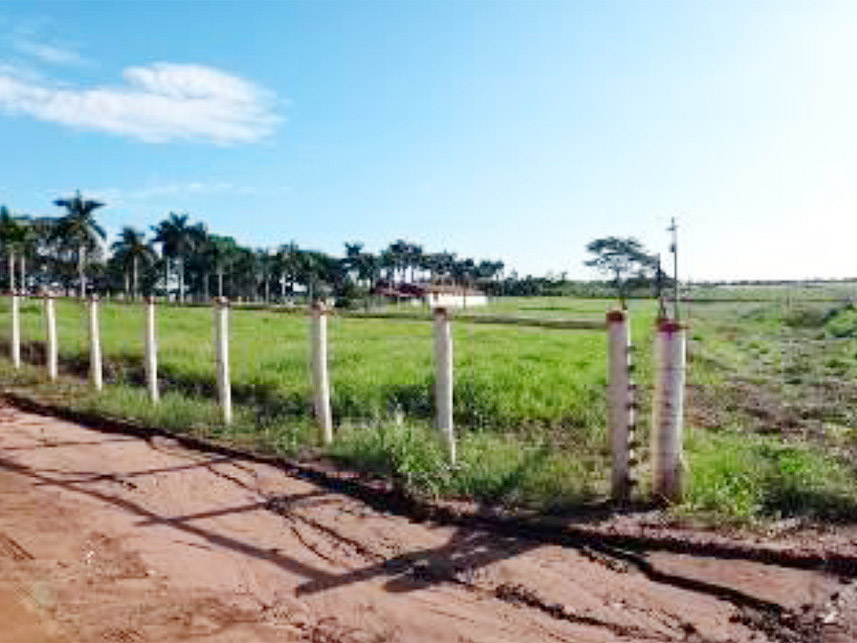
[{"x": 474, "y": 371}]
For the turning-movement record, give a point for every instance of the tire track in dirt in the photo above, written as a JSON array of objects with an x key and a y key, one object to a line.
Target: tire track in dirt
[
  {"x": 260, "y": 549},
  {"x": 763, "y": 616}
]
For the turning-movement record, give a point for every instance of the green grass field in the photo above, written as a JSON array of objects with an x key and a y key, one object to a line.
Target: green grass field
[
  {"x": 772, "y": 407},
  {"x": 763, "y": 439},
  {"x": 508, "y": 378}
]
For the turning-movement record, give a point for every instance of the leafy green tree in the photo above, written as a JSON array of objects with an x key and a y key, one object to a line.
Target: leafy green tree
[
  {"x": 619, "y": 257},
  {"x": 80, "y": 229}
]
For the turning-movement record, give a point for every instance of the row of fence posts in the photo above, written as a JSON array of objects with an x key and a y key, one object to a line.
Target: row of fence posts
[{"x": 667, "y": 407}]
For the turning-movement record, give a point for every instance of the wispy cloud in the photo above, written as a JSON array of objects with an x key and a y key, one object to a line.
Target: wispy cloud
[
  {"x": 201, "y": 188},
  {"x": 157, "y": 103},
  {"x": 35, "y": 40},
  {"x": 180, "y": 192},
  {"x": 51, "y": 54}
]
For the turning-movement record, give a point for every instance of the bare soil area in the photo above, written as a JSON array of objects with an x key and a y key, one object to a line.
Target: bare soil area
[{"x": 112, "y": 538}]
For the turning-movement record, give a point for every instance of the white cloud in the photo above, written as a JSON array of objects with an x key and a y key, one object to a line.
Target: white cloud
[{"x": 158, "y": 103}]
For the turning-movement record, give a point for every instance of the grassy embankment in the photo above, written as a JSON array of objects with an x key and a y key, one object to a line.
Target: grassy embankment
[{"x": 529, "y": 401}]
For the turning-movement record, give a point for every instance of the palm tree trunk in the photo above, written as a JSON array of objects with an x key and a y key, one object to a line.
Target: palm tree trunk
[
  {"x": 220, "y": 282},
  {"x": 127, "y": 286},
  {"x": 181, "y": 280},
  {"x": 206, "y": 278},
  {"x": 22, "y": 264},
  {"x": 136, "y": 292},
  {"x": 81, "y": 262},
  {"x": 167, "y": 278},
  {"x": 267, "y": 290},
  {"x": 282, "y": 287},
  {"x": 11, "y": 271}
]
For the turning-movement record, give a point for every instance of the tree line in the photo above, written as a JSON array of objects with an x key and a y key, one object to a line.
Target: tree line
[{"x": 183, "y": 260}]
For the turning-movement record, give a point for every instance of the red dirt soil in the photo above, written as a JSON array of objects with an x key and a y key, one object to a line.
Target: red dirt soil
[{"x": 111, "y": 538}]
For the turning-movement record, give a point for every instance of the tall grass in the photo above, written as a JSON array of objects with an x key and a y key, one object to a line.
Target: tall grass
[
  {"x": 507, "y": 378},
  {"x": 529, "y": 402}
]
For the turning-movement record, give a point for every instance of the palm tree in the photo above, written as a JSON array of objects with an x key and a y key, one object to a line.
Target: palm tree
[
  {"x": 288, "y": 264},
  {"x": 198, "y": 260},
  {"x": 264, "y": 265},
  {"x": 25, "y": 241},
  {"x": 132, "y": 249},
  {"x": 177, "y": 239},
  {"x": 444, "y": 263},
  {"x": 370, "y": 269},
  {"x": 313, "y": 270},
  {"x": 79, "y": 227},
  {"x": 414, "y": 258},
  {"x": 218, "y": 254},
  {"x": 9, "y": 235},
  {"x": 353, "y": 255},
  {"x": 398, "y": 252}
]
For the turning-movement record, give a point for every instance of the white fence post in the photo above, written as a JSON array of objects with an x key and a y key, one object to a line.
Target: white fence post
[
  {"x": 95, "y": 372},
  {"x": 620, "y": 403},
  {"x": 443, "y": 380},
  {"x": 15, "y": 345},
  {"x": 221, "y": 347},
  {"x": 151, "y": 358},
  {"x": 51, "y": 327},
  {"x": 320, "y": 377},
  {"x": 668, "y": 411}
]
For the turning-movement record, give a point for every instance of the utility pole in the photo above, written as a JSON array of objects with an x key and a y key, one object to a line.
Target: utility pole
[
  {"x": 659, "y": 289},
  {"x": 674, "y": 249}
]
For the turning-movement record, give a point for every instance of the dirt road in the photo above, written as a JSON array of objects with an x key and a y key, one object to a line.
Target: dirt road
[{"x": 111, "y": 538}]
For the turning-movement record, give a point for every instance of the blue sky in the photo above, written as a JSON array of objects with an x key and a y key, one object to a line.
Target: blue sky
[{"x": 517, "y": 131}]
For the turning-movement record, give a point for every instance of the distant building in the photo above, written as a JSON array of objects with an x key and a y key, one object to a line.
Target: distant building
[{"x": 432, "y": 295}]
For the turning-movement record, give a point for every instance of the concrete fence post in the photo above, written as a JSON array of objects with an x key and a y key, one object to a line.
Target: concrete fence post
[
  {"x": 15, "y": 345},
  {"x": 151, "y": 346},
  {"x": 95, "y": 372},
  {"x": 221, "y": 348},
  {"x": 620, "y": 403},
  {"x": 52, "y": 357},
  {"x": 320, "y": 377},
  {"x": 444, "y": 380},
  {"x": 668, "y": 411}
]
